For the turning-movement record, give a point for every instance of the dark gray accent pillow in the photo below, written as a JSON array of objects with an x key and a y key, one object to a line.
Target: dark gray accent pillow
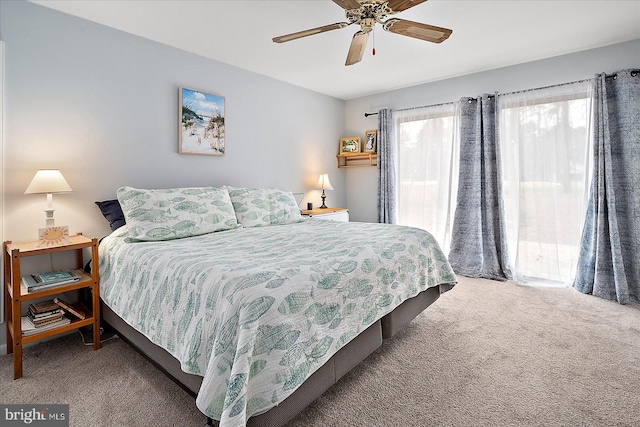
[{"x": 112, "y": 211}]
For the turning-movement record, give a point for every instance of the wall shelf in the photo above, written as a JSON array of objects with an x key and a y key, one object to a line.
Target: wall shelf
[{"x": 361, "y": 160}]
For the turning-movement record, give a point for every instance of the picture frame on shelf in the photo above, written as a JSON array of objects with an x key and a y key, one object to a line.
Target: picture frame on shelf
[
  {"x": 370, "y": 141},
  {"x": 350, "y": 146},
  {"x": 201, "y": 123}
]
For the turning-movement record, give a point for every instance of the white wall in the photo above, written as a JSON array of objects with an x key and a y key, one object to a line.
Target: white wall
[
  {"x": 362, "y": 182},
  {"x": 101, "y": 105}
]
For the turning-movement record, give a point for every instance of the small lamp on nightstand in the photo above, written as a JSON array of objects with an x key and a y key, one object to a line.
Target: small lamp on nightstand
[
  {"x": 324, "y": 184},
  {"x": 50, "y": 181}
]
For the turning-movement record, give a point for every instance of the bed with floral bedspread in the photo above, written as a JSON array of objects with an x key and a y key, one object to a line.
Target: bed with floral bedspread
[{"x": 256, "y": 311}]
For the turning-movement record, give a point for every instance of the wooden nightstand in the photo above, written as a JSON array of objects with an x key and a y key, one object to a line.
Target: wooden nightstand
[
  {"x": 334, "y": 214},
  {"x": 15, "y": 295}
]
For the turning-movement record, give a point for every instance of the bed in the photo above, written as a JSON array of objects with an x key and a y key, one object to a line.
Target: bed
[{"x": 262, "y": 315}]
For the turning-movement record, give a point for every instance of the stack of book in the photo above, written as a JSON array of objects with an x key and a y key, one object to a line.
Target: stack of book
[
  {"x": 43, "y": 316},
  {"x": 36, "y": 282}
]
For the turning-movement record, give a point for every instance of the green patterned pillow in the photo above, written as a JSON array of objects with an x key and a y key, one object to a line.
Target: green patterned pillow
[
  {"x": 177, "y": 212},
  {"x": 257, "y": 207}
]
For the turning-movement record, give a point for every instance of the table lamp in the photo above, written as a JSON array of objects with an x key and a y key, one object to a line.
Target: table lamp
[
  {"x": 324, "y": 184},
  {"x": 50, "y": 181}
]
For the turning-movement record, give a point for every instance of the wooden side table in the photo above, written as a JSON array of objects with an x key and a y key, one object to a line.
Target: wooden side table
[{"x": 15, "y": 294}]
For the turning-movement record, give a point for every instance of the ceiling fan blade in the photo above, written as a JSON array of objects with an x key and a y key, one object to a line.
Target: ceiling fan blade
[
  {"x": 348, "y": 4},
  {"x": 310, "y": 32},
  {"x": 356, "y": 50},
  {"x": 417, "y": 30},
  {"x": 400, "y": 5}
]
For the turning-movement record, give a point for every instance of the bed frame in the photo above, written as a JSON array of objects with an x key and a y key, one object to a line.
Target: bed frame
[{"x": 342, "y": 362}]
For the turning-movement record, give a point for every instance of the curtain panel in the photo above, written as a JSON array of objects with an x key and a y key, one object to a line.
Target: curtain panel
[
  {"x": 478, "y": 237},
  {"x": 545, "y": 148},
  {"x": 608, "y": 264},
  {"x": 428, "y": 154},
  {"x": 387, "y": 185}
]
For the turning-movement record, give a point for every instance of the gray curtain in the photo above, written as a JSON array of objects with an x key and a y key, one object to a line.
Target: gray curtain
[
  {"x": 478, "y": 235},
  {"x": 608, "y": 265},
  {"x": 386, "y": 169}
]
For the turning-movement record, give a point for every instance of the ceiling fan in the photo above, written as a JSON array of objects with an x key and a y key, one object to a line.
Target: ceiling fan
[{"x": 366, "y": 13}]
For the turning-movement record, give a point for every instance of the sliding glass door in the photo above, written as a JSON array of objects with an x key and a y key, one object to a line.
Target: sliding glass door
[
  {"x": 544, "y": 140},
  {"x": 428, "y": 157},
  {"x": 545, "y": 143}
]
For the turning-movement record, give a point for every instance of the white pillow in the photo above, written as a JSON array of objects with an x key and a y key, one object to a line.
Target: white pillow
[
  {"x": 257, "y": 207},
  {"x": 175, "y": 213}
]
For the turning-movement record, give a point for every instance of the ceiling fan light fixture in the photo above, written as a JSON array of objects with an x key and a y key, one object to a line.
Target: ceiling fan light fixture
[
  {"x": 366, "y": 13},
  {"x": 367, "y": 24}
]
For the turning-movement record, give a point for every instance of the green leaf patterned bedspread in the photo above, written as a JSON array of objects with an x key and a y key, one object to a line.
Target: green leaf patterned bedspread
[{"x": 256, "y": 311}]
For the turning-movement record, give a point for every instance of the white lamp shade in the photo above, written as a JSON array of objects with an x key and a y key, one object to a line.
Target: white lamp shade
[
  {"x": 324, "y": 183},
  {"x": 48, "y": 181}
]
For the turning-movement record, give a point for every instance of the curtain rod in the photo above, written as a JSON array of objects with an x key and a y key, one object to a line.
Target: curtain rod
[
  {"x": 634, "y": 72},
  {"x": 543, "y": 87},
  {"x": 496, "y": 93},
  {"x": 412, "y": 108}
]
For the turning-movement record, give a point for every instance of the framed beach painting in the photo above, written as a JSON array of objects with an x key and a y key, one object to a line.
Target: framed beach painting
[
  {"x": 370, "y": 141},
  {"x": 350, "y": 146},
  {"x": 202, "y": 128}
]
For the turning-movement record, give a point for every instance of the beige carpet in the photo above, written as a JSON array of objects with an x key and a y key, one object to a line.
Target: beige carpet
[{"x": 485, "y": 354}]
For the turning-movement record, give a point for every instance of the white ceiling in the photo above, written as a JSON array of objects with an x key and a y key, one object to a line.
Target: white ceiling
[{"x": 486, "y": 35}]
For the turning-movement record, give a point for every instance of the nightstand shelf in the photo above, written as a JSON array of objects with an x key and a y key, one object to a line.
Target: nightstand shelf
[{"x": 16, "y": 294}]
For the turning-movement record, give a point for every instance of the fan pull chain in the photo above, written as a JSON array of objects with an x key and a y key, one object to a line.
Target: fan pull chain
[{"x": 374, "y": 42}]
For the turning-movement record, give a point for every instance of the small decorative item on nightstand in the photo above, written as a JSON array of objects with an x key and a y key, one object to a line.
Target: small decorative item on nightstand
[
  {"x": 50, "y": 181},
  {"x": 51, "y": 236}
]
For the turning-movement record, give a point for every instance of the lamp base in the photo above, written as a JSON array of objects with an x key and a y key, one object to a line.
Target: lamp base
[
  {"x": 49, "y": 215},
  {"x": 323, "y": 206}
]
